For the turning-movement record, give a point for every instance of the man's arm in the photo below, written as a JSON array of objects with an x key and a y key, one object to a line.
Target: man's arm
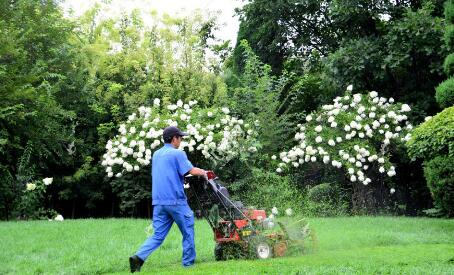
[{"x": 198, "y": 172}]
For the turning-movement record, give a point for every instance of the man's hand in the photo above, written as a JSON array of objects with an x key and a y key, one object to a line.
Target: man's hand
[{"x": 198, "y": 172}]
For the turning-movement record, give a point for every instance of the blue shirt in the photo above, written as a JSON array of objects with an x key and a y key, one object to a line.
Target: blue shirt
[{"x": 169, "y": 165}]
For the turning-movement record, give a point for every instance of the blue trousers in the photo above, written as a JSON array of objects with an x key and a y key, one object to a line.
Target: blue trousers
[{"x": 163, "y": 218}]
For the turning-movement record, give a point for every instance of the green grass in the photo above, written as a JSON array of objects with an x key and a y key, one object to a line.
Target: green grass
[{"x": 352, "y": 245}]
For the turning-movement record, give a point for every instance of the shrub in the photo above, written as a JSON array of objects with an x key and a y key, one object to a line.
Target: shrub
[
  {"x": 434, "y": 137},
  {"x": 449, "y": 36},
  {"x": 439, "y": 173},
  {"x": 264, "y": 189},
  {"x": 325, "y": 200},
  {"x": 448, "y": 65},
  {"x": 213, "y": 135},
  {"x": 449, "y": 12},
  {"x": 353, "y": 134},
  {"x": 324, "y": 192},
  {"x": 444, "y": 94}
]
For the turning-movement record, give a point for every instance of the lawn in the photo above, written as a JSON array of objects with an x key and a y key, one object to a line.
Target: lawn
[{"x": 350, "y": 245}]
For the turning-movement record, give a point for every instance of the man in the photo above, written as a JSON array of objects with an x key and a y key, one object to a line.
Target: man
[{"x": 169, "y": 166}]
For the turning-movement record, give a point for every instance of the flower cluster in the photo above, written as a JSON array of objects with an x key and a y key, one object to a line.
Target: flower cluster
[
  {"x": 213, "y": 133},
  {"x": 353, "y": 133},
  {"x": 32, "y": 186}
]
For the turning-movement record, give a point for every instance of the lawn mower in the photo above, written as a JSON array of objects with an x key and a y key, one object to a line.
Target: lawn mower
[{"x": 239, "y": 232}]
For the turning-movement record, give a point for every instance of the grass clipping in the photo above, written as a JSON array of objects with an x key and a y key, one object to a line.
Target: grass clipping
[{"x": 302, "y": 238}]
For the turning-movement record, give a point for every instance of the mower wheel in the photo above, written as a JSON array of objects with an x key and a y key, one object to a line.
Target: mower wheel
[{"x": 260, "y": 248}]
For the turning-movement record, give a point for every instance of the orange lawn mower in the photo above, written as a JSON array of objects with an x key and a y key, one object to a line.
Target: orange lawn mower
[{"x": 239, "y": 232}]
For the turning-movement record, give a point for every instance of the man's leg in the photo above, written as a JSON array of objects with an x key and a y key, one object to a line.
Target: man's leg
[
  {"x": 162, "y": 222},
  {"x": 184, "y": 218}
]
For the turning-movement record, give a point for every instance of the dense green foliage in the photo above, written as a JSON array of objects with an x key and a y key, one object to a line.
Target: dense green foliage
[
  {"x": 35, "y": 127},
  {"x": 433, "y": 141},
  {"x": 448, "y": 65},
  {"x": 68, "y": 84},
  {"x": 438, "y": 172},
  {"x": 434, "y": 137},
  {"x": 378, "y": 46},
  {"x": 325, "y": 200},
  {"x": 444, "y": 93},
  {"x": 264, "y": 189},
  {"x": 357, "y": 245}
]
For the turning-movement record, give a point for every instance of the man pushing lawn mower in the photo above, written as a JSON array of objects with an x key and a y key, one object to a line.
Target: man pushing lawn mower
[
  {"x": 169, "y": 166},
  {"x": 239, "y": 232}
]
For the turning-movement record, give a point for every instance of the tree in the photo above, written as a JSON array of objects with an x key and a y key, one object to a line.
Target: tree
[
  {"x": 355, "y": 133},
  {"x": 35, "y": 58}
]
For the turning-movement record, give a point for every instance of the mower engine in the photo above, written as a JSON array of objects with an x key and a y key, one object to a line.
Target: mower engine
[{"x": 239, "y": 232}]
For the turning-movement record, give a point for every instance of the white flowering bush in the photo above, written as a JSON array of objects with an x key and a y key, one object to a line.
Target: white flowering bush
[
  {"x": 32, "y": 200},
  {"x": 354, "y": 134},
  {"x": 213, "y": 133}
]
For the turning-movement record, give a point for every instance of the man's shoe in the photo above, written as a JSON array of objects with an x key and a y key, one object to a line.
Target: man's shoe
[{"x": 135, "y": 263}]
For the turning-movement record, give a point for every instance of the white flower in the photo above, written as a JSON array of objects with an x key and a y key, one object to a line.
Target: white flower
[
  {"x": 373, "y": 94},
  {"x": 31, "y": 186},
  {"x": 318, "y": 129},
  {"x": 347, "y": 128},
  {"x": 48, "y": 181},
  {"x": 356, "y": 98},
  {"x": 318, "y": 139},
  {"x": 325, "y": 159},
  {"x": 273, "y": 157},
  {"x": 156, "y": 102},
  {"x": 225, "y": 110},
  {"x": 350, "y": 88},
  {"x": 353, "y": 178},
  {"x": 361, "y": 109},
  {"x": 331, "y": 142},
  {"x": 405, "y": 108},
  {"x": 279, "y": 170},
  {"x": 172, "y": 107},
  {"x": 391, "y": 173},
  {"x": 308, "y": 118},
  {"x": 427, "y": 118},
  {"x": 288, "y": 212},
  {"x": 132, "y": 130},
  {"x": 381, "y": 169},
  {"x": 274, "y": 211},
  {"x": 338, "y": 139},
  {"x": 59, "y": 218},
  {"x": 392, "y": 190},
  {"x": 209, "y": 114},
  {"x": 388, "y": 135}
]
